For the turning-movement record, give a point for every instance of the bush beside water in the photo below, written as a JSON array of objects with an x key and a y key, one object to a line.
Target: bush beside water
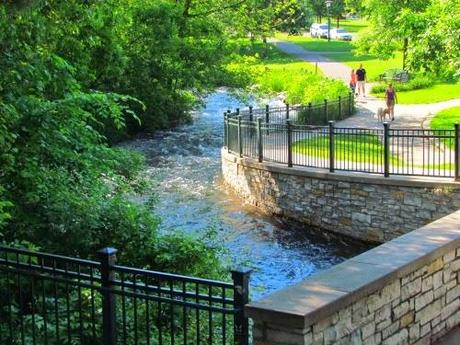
[{"x": 269, "y": 71}]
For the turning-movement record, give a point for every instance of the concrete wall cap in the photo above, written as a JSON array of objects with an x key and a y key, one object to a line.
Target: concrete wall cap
[
  {"x": 325, "y": 293},
  {"x": 343, "y": 176}
]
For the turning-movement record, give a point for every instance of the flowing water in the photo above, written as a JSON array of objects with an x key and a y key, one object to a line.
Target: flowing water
[{"x": 185, "y": 164}]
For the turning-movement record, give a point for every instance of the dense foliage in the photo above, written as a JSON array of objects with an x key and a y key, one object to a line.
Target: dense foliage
[
  {"x": 426, "y": 31},
  {"x": 62, "y": 188},
  {"x": 266, "y": 70}
]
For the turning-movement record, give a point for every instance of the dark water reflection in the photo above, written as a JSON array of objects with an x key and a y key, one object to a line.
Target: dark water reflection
[{"x": 185, "y": 163}]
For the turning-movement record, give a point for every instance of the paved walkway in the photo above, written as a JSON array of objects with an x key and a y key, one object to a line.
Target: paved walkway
[
  {"x": 451, "y": 338},
  {"x": 406, "y": 115}
]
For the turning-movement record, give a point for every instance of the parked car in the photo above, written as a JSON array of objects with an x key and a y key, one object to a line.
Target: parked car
[
  {"x": 319, "y": 30},
  {"x": 341, "y": 34}
]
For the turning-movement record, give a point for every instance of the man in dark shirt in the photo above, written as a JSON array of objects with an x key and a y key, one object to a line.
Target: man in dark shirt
[{"x": 361, "y": 80}]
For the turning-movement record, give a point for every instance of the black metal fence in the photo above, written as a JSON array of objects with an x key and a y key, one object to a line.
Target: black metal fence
[
  {"x": 310, "y": 114},
  {"x": 51, "y": 299},
  {"x": 387, "y": 151}
]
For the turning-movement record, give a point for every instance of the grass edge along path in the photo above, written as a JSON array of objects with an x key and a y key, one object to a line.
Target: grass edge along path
[
  {"x": 364, "y": 149},
  {"x": 446, "y": 118},
  {"x": 279, "y": 72},
  {"x": 433, "y": 94}
]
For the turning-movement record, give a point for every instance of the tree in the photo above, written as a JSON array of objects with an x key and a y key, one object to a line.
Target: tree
[
  {"x": 436, "y": 48},
  {"x": 354, "y": 6},
  {"x": 319, "y": 8},
  {"x": 394, "y": 24},
  {"x": 337, "y": 9}
]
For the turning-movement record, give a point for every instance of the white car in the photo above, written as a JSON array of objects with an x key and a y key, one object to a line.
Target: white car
[
  {"x": 341, "y": 34},
  {"x": 319, "y": 30}
]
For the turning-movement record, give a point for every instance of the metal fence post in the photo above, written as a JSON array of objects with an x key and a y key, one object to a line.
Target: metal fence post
[
  {"x": 240, "y": 142},
  {"x": 310, "y": 109},
  {"x": 457, "y": 151},
  {"x": 107, "y": 258},
  {"x": 250, "y": 113},
  {"x": 326, "y": 110},
  {"x": 260, "y": 152},
  {"x": 267, "y": 116},
  {"x": 386, "y": 149},
  {"x": 287, "y": 111},
  {"x": 241, "y": 298},
  {"x": 289, "y": 142},
  {"x": 331, "y": 147},
  {"x": 237, "y": 111},
  {"x": 340, "y": 108},
  {"x": 226, "y": 131}
]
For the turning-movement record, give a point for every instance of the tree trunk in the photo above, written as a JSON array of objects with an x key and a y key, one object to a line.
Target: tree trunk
[
  {"x": 185, "y": 17},
  {"x": 264, "y": 39},
  {"x": 338, "y": 22},
  {"x": 405, "y": 45}
]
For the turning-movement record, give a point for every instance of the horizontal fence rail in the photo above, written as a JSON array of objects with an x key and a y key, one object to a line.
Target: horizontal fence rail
[
  {"x": 51, "y": 299},
  {"x": 310, "y": 114},
  {"x": 387, "y": 151}
]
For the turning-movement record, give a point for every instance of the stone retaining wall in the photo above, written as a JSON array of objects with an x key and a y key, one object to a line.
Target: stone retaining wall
[
  {"x": 364, "y": 206},
  {"x": 406, "y": 291}
]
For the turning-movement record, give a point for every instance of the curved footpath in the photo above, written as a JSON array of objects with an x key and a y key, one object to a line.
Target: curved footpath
[{"x": 406, "y": 115}]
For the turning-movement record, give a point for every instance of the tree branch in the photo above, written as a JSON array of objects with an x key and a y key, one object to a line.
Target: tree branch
[{"x": 217, "y": 9}]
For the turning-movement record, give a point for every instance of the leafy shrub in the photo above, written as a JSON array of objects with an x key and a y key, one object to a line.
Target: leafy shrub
[
  {"x": 62, "y": 187},
  {"x": 416, "y": 83}
]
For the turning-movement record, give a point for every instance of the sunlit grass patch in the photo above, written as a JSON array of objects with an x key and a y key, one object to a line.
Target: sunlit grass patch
[{"x": 366, "y": 148}]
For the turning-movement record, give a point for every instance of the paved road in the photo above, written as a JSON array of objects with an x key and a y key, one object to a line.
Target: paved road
[{"x": 330, "y": 68}]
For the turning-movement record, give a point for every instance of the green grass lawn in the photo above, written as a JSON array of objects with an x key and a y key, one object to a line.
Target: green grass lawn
[
  {"x": 353, "y": 25},
  {"x": 273, "y": 71},
  {"x": 373, "y": 65},
  {"x": 342, "y": 51},
  {"x": 446, "y": 119},
  {"x": 361, "y": 149},
  {"x": 436, "y": 93},
  {"x": 316, "y": 44}
]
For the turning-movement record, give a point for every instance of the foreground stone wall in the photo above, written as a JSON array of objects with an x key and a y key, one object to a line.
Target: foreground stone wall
[
  {"x": 370, "y": 208},
  {"x": 406, "y": 291}
]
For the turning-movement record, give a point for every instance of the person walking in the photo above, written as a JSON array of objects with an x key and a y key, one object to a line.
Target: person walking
[
  {"x": 391, "y": 99},
  {"x": 361, "y": 80},
  {"x": 353, "y": 81}
]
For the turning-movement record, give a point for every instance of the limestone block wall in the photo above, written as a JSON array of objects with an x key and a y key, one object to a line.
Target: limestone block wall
[
  {"x": 363, "y": 206},
  {"x": 406, "y": 291}
]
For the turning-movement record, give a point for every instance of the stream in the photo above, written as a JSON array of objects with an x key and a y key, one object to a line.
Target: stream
[{"x": 185, "y": 165}]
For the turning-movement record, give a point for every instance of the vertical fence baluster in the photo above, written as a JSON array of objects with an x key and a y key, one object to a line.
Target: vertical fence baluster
[
  {"x": 331, "y": 147},
  {"x": 267, "y": 116},
  {"x": 386, "y": 149},
  {"x": 241, "y": 298},
  {"x": 457, "y": 151},
  {"x": 287, "y": 111},
  {"x": 107, "y": 258},
  {"x": 289, "y": 142},
  {"x": 260, "y": 153},
  {"x": 226, "y": 130},
  {"x": 240, "y": 143}
]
